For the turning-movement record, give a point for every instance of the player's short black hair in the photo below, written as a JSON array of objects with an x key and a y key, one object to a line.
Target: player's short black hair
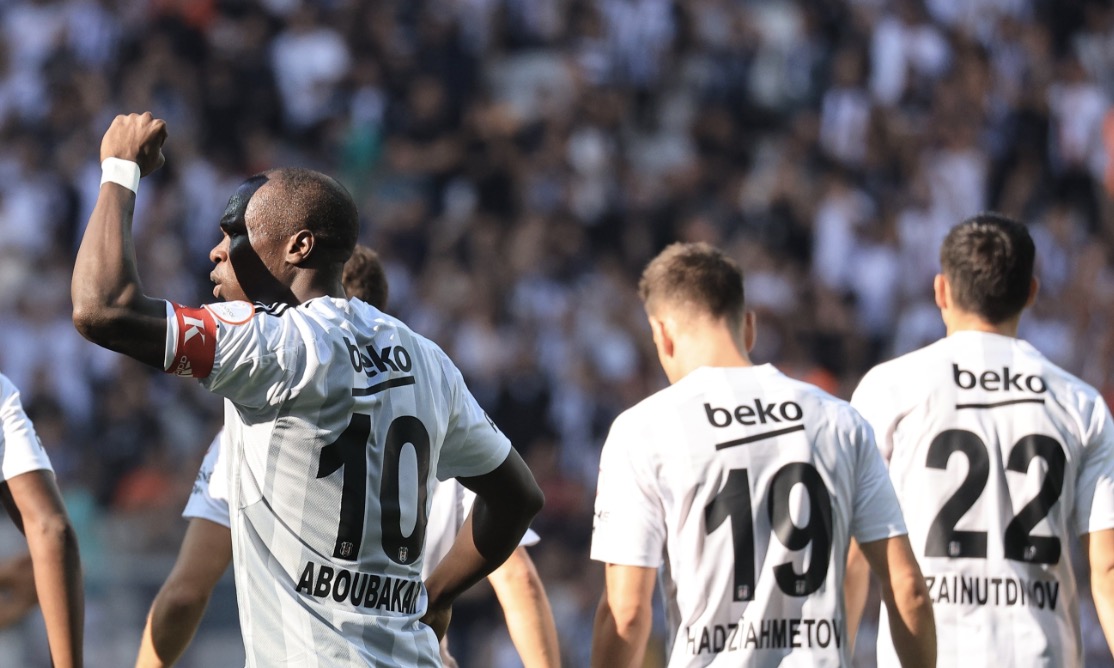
[
  {"x": 364, "y": 277},
  {"x": 988, "y": 260},
  {"x": 317, "y": 202},
  {"x": 695, "y": 275}
]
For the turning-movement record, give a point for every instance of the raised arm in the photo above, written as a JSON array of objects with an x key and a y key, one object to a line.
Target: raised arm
[
  {"x": 1098, "y": 546},
  {"x": 906, "y": 596},
  {"x": 624, "y": 617},
  {"x": 110, "y": 308},
  {"x": 55, "y": 562},
  {"x": 506, "y": 500},
  {"x": 526, "y": 608}
]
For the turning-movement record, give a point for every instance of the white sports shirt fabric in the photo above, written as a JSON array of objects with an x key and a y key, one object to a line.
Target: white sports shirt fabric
[
  {"x": 335, "y": 413},
  {"x": 449, "y": 506},
  {"x": 745, "y": 487},
  {"x": 21, "y": 451},
  {"x": 1000, "y": 458},
  {"x": 209, "y": 497}
]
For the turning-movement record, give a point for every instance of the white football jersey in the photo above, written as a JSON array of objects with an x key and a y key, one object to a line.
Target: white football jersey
[
  {"x": 745, "y": 487},
  {"x": 999, "y": 458},
  {"x": 448, "y": 507},
  {"x": 209, "y": 497},
  {"x": 21, "y": 451},
  {"x": 338, "y": 417},
  {"x": 451, "y": 504}
]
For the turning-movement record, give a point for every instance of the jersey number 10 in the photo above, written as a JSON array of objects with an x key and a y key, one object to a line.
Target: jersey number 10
[
  {"x": 733, "y": 502},
  {"x": 349, "y": 452}
]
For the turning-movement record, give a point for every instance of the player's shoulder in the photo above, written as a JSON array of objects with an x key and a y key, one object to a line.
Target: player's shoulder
[
  {"x": 897, "y": 372},
  {"x": 1064, "y": 387}
]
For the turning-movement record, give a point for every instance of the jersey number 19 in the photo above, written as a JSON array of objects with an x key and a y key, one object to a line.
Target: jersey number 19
[{"x": 733, "y": 502}]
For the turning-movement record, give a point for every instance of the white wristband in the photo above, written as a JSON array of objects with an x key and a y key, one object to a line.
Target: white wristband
[{"x": 121, "y": 172}]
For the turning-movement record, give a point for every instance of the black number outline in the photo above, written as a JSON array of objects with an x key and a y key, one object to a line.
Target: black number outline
[
  {"x": 734, "y": 501},
  {"x": 942, "y": 535},
  {"x": 399, "y": 548},
  {"x": 1018, "y": 542},
  {"x": 798, "y": 538},
  {"x": 349, "y": 452}
]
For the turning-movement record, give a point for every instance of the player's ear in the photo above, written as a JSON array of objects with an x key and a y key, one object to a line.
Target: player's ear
[
  {"x": 942, "y": 291},
  {"x": 299, "y": 247},
  {"x": 663, "y": 338},
  {"x": 750, "y": 331},
  {"x": 1034, "y": 288}
]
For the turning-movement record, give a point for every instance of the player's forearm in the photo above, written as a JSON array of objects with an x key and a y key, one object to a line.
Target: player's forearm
[
  {"x": 108, "y": 301},
  {"x": 1102, "y": 590},
  {"x": 912, "y": 625},
  {"x": 619, "y": 637},
  {"x": 168, "y": 632},
  {"x": 526, "y": 608},
  {"x": 485, "y": 541},
  {"x": 856, "y": 587},
  {"x": 507, "y": 499},
  {"x": 58, "y": 580}
]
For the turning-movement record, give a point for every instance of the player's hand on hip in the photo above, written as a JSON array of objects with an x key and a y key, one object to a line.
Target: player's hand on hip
[
  {"x": 136, "y": 137},
  {"x": 438, "y": 620}
]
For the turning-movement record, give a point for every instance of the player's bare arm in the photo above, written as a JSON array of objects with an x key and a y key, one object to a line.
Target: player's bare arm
[
  {"x": 856, "y": 588},
  {"x": 522, "y": 596},
  {"x": 906, "y": 596},
  {"x": 36, "y": 506},
  {"x": 506, "y": 500},
  {"x": 177, "y": 609},
  {"x": 624, "y": 617},
  {"x": 110, "y": 308},
  {"x": 1098, "y": 546}
]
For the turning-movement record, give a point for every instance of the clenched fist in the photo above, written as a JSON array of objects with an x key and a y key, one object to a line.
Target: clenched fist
[{"x": 136, "y": 137}]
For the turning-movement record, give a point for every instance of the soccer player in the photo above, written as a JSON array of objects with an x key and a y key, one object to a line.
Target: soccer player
[
  {"x": 30, "y": 494},
  {"x": 206, "y": 549},
  {"x": 744, "y": 488},
  {"x": 337, "y": 416},
  {"x": 999, "y": 457}
]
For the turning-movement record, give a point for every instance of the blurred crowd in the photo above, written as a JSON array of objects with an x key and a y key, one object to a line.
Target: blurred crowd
[{"x": 516, "y": 163}]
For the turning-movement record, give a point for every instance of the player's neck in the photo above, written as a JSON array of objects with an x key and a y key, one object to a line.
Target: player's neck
[
  {"x": 711, "y": 351},
  {"x": 313, "y": 284},
  {"x": 970, "y": 322}
]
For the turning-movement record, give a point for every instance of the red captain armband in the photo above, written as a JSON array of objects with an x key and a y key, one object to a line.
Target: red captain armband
[{"x": 196, "y": 347}]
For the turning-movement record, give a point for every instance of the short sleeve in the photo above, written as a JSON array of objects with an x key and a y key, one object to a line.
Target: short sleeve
[
  {"x": 629, "y": 525},
  {"x": 1094, "y": 488},
  {"x": 473, "y": 444},
  {"x": 209, "y": 498},
  {"x": 876, "y": 511},
  {"x": 21, "y": 450},
  {"x": 237, "y": 350}
]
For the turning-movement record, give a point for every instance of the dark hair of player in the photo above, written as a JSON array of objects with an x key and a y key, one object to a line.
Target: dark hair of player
[
  {"x": 988, "y": 260},
  {"x": 364, "y": 277},
  {"x": 697, "y": 276},
  {"x": 317, "y": 202}
]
